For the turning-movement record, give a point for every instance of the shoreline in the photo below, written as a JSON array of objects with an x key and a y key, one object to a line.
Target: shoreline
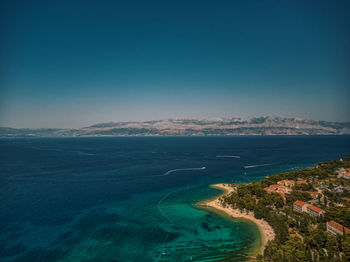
[{"x": 266, "y": 231}]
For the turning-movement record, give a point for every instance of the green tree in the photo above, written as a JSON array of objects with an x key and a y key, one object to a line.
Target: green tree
[
  {"x": 331, "y": 246},
  {"x": 319, "y": 199},
  {"x": 346, "y": 249},
  {"x": 273, "y": 252},
  {"x": 320, "y": 237},
  {"x": 339, "y": 214},
  {"x": 303, "y": 226}
]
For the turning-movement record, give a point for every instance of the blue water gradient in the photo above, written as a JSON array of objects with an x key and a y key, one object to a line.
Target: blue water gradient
[{"x": 133, "y": 198}]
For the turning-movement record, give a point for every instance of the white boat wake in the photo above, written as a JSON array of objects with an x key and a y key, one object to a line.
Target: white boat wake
[
  {"x": 167, "y": 218},
  {"x": 96, "y": 179},
  {"x": 257, "y": 165},
  {"x": 160, "y": 201},
  {"x": 161, "y": 211},
  {"x": 228, "y": 156},
  {"x": 179, "y": 169}
]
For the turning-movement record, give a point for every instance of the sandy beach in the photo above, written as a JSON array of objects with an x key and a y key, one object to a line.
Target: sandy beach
[{"x": 265, "y": 229}]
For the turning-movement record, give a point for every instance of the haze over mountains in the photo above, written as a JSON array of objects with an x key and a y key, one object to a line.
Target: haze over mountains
[{"x": 268, "y": 125}]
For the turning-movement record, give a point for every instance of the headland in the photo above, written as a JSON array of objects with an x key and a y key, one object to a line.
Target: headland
[{"x": 217, "y": 204}]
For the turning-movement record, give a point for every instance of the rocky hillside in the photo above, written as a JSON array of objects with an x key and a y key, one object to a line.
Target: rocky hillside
[{"x": 193, "y": 127}]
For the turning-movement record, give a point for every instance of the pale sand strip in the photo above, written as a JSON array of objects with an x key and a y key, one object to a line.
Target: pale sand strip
[{"x": 265, "y": 229}]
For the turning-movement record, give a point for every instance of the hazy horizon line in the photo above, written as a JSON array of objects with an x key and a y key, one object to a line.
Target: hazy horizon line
[{"x": 178, "y": 118}]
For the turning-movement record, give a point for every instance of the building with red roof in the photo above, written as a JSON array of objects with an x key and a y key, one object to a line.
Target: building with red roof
[
  {"x": 336, "y": 228},
  {"x": 279, "y": 189},
  {"x": 314, "y": 195},
  {"x": 302, "y": 182},
  {"x": 300, "y": 206},
  {"x": 346, "y": 199},
  {"x": 314, "y": 211},
  {"x": 344, "y": 173},
  {"x": 287, "y": 183}
]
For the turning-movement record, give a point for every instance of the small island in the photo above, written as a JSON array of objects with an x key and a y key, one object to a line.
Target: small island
[{"x": 302, "y": 215}]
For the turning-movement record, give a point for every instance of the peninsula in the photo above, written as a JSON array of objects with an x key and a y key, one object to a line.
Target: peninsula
[
  {"x": 266, "y": 231},
  {"x": 302, "y": 215}
]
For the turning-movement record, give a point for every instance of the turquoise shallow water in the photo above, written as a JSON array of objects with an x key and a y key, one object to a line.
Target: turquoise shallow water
[
  {"x": 114, "y": 199},
  {"x": 170, "y": 228}
]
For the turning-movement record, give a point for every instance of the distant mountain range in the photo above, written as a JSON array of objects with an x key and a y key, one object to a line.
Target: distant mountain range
[{"x": 268, "y": 125}]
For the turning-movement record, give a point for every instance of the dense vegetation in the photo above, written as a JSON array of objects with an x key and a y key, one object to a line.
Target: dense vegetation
[{"x": 299, "y": 237}]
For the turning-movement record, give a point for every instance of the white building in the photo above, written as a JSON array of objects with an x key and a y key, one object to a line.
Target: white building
[
  {"x": 336, "y": 228},
  {"x": 300, "y": 206},
  {"x": 314, "y": 211}
]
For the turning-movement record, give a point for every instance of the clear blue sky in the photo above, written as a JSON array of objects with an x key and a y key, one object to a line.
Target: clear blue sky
[{"x": 75, "y": 63}]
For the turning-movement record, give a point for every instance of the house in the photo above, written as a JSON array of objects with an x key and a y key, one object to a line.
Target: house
[
  {"x": 314, "y": 211},
  {"x": 287, "y": 183},
  {"x": 344, "y": 173},
  {"x": 340, "y": 189},
  {"x": 336, "y": 228},
  {"x": 313, "y": 194},
  {"x": 300, "y": 182},
  {"x": 284, "y": 189},
  {"x": 346, "y": 199},
  {"x": 323, "y": 187},
  {"x": 300, "y": 206},
  {"x": 279, "y": 189},
  {"x": 271, "y": 188}
]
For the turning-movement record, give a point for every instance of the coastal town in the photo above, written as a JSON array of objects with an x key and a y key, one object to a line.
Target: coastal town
[{"x": 302, "y": 215}]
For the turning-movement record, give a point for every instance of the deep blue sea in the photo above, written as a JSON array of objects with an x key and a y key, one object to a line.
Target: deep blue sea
[{"x": 133, "y": 198}]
